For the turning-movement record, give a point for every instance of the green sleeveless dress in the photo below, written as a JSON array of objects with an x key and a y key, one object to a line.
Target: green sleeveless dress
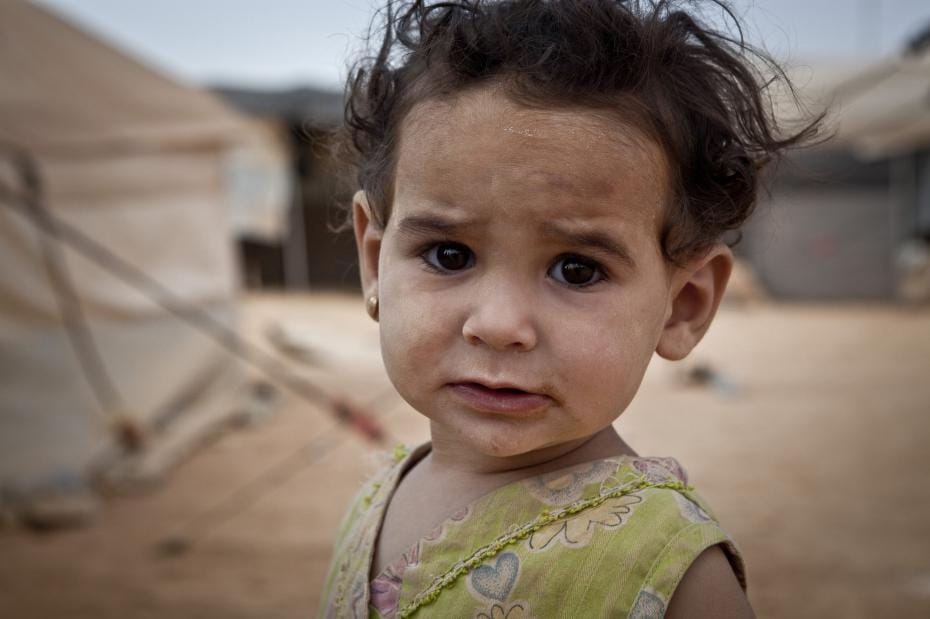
[{"x": 608, "y": 538}]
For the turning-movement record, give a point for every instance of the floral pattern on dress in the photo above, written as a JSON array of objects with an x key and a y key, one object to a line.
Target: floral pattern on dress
[
  {"x": 352, "y": 585},
  {"x": 439, "y": 533},
  {"x": 437, "y": 577},
  {"x": 658, "y": 470},
  {"x": 562, "y": 487},
  {"x": 648, "y": 605},
  {"x": 576, "y": 532},
  {"x": 385, "y": 588},
  {"x": 516, "y": 610},
  {"x": 357, "y": 598},
  {"x": 691, "y": 510}
]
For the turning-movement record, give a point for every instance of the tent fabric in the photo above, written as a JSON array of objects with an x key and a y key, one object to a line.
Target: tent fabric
[
  {"x": 66, "y": 92},
  {"x": 51, "y": 426},
  {"x": 891, "y": 116},
  {"x": 172, "y": 228},
  {"x": 877, "y": 110},
  {"x": 139, "y": 164}
]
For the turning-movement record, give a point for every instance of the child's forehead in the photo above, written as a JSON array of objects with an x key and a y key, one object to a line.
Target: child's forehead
[
  {"x": 484, "y": 132},
  {"x": 488, "y": 159},
  {"x": 492, "y": 107}
]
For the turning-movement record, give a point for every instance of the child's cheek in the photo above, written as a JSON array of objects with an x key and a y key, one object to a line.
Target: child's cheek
[
  {"x": 607, "y": 359},
  {"x": 412, "y": 341}
]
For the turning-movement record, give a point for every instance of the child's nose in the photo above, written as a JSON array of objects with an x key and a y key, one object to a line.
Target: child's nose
[{"x": 502, "y": 320}]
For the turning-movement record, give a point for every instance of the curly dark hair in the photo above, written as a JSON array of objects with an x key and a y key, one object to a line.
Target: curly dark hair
[{"x": 705, "y": 96}]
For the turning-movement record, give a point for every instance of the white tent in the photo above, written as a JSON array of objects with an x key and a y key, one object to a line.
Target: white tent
[
  {"x": 884, "y": 109},
  {"x": 138, "y": 163},
  {"x": 876, "y": 109}
]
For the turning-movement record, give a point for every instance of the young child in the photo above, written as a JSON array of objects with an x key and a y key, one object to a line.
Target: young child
[{"x": 544, "y": 189}]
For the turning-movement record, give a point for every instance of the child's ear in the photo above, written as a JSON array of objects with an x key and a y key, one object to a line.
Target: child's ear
[
  {"x": 368, "y": 235},
  {"x": 696, "y": 292}
]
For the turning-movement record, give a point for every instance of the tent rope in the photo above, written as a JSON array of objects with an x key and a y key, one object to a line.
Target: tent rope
[
  {"x": 30, "y": 205},
  {"x": 110, "y": 402},
  {"x": 198, "y": 527}
]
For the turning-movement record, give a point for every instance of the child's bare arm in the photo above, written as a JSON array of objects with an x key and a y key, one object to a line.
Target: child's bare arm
[{"x": 709, "y": 589}]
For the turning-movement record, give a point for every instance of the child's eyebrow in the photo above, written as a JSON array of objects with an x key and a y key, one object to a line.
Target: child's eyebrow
[
  {"x": 425, "y": 224},
  {"x": 599, "y": 240}
]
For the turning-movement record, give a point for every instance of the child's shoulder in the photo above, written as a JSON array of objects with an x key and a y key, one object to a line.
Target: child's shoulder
[
  {"x": 385, "y": 470},
  {"x": 628, "y": 527},
  {"x": 612, "y": 535},
  {"x": 594, "y": 480}
]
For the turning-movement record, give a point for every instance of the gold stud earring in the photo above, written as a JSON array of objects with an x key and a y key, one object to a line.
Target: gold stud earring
[{"x": 371, "y": 305}]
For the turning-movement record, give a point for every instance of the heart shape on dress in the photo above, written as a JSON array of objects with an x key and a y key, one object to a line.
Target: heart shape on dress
[{"x": 495, "y": 582}]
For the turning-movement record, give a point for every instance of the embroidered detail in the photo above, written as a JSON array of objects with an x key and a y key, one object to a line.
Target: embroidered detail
[
  {"x": 648, "y": 605},
  {"x": 658, "y": 469},
  {"x": 358, "y": 601},
  {"x": 366, "y": 500},
  {"x": 439, "y": 533},
  {"x": 545, "y": 518},
  {"x": 655, "y": 470},
  {"x": 577, "y": 532},
  {"x": 563, "y": 487},
  {"x": 691, "y": 510},
  {"x": 400, "y": 452},
  {"x": 495, "y": 582},
  {"x": 385, "y": 589},
  {"x": 517, "y": 610},
  {"x": 344, "y": 584}
]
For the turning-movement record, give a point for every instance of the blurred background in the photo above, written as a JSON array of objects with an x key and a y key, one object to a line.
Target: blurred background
[{"x": 190, "y": 390}]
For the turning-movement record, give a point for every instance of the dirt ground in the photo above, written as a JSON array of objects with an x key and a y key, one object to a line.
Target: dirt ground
[{"x": 811, "y": 444}]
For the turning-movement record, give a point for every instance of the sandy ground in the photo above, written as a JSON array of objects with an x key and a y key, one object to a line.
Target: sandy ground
[{"x": 813, "y": 453}]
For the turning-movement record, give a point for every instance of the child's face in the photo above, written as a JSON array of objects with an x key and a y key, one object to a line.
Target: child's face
[{"x": 522, "y": 251}]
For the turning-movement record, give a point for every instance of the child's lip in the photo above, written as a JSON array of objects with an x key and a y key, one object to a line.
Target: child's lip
[{"x": 502, "y": 398}]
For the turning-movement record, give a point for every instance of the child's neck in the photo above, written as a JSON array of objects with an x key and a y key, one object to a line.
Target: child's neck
[
  {"x": 448, "y": 455},
  {"x": 448, "y": 478}
]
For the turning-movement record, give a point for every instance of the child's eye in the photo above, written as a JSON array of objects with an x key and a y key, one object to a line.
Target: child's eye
[
  {"x": 576, "y": 271},
  {"x": 448, "y": 256}
]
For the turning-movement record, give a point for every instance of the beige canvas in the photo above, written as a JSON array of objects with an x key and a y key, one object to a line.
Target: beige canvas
[{"x": 138, "y": 163}]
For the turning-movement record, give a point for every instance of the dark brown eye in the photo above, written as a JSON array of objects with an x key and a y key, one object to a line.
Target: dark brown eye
[
  {"x": 576, "y": 271},
  {"x": 448, "y": 256}
]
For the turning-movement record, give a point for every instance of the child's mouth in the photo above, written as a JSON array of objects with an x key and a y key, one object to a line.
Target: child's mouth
[
  {"x": 503, "y": 400},
  {"x": 506, "y": 390}
]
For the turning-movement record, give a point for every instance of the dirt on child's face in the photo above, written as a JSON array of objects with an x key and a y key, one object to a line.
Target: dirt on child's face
[{"x": 522, "y": 285}]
